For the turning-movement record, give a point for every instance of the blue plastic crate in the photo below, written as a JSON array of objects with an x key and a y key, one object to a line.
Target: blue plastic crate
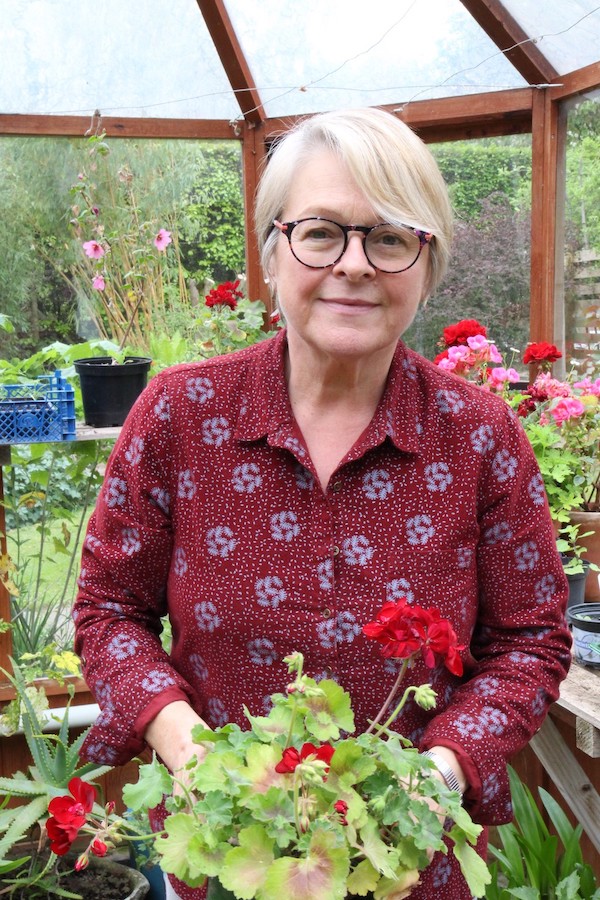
[{"x": 39, "y": 411}]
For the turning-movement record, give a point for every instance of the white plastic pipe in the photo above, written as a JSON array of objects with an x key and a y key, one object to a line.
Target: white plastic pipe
[{"x": 79, "y": 717}]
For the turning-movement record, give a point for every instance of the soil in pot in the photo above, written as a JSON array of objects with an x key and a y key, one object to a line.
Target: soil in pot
[{"x": 104, "y": 879}]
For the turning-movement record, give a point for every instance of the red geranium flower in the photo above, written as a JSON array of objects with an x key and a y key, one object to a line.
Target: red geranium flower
[
  {"x": 542, "y": 352},
  {"x": 68, "y": 815},
  {"x": 225, "y": 294},
  {"x": 459, "y": 332},
  {"x": 292, "y": 758},
  {"x": 405, "y": 629}
]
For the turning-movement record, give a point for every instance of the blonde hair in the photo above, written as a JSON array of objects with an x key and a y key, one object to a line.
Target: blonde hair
[{"x": 390, "y": 164}]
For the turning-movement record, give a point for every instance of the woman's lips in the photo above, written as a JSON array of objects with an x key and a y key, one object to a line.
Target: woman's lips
[{"x": 348, "y": 306}]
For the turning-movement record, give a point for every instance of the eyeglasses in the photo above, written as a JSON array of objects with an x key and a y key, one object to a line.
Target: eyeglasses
[{"x": 320, "y": 243}]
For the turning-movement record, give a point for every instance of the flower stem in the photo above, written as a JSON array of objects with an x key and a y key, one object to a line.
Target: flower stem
[{"x": 389, "y": 699}]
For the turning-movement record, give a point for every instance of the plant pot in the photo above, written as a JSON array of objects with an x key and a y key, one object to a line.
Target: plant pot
[
  {"x": 589, "y": 521},
  {"x": 109, "y": 389},
  {"x": 103, "y": 879},
  {"x": 577, "y": 581},
  {"x": 584, "y": 620}
]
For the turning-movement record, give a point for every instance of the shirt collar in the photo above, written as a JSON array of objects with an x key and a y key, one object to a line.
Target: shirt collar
[{"x": 265, "y": 410}]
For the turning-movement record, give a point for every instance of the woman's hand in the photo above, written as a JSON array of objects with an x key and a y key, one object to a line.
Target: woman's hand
[{"x": 170, "y": 734}]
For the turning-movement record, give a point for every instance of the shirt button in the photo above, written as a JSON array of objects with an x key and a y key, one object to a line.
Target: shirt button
[
  {"x": 335, "y": 550},
  {"x": 336, "y": 486},
  {"x": 326, "y": 613},
  {"x": 328, "y": 670}
]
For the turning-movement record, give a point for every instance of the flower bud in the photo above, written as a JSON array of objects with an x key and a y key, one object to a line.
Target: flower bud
[
  {"x": 110, "y": 807},
  {"x": 82, "y": 862},
  {"x": 98, "y": 847},
  {"x": 425, "y": 696}
]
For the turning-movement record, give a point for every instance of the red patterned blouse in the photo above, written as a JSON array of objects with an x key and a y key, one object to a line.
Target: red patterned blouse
[{"x": 211, "y": 512}]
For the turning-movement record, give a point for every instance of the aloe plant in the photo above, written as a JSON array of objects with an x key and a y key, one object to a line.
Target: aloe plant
[
  {"x": 55, "y": 762},
  {"x": 535, "y": 862}
]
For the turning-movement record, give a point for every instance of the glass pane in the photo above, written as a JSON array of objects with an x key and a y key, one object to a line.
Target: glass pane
[
  {"x": 150, "y": 58},
  {"x": 582, "y": 235},
  {"x": 314, "y": 56},
  {"x": 60, "y": 194},
  {"x": 488, "y": 278},
  {"x": 567, "y": 34}
]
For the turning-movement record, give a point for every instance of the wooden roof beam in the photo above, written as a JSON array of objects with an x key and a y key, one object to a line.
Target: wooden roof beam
[
  {"x": 517, "y": 46},
  {"x": 233, "y": 60},
  {"x": 451, "y": 118}
]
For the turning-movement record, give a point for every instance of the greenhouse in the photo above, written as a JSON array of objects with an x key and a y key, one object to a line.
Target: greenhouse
[{"x": 135, "y": 141}]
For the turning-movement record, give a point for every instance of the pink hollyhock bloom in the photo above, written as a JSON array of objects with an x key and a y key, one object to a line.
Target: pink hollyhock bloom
[
  {"x": 93, "y": 249},
  {"x": 98, "y": 283},
  {"x": 162, "y": 240},
  {"x": 567, "y": 408}
]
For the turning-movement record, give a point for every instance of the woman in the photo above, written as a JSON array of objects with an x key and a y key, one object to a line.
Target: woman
[{"x": 271, "y": 500}]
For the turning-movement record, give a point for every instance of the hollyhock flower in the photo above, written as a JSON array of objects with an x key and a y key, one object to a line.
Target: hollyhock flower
[
  {"x": 98, "y": 283},
  {"x": 162, "y": 240},
  {"x": 93, "y": 249},
  {"x": 541, "y": 352},
  {"x": 225, "y": 294},
  {"x": 291, "y": 758},
  {"x": 460, "y": 331}
]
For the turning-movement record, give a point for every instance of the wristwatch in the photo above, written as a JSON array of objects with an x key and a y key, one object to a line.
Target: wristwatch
[{"x": 445, "y": 770}]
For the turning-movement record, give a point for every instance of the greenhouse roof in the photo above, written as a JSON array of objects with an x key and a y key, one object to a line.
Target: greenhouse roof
[{"x": 263, "y": 59}]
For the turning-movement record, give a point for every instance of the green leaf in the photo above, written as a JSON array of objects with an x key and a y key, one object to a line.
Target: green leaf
[
  {"x": 382, "y": 857},
  {"x": 363, "y": 879},
  {"x": 176, "y": 848},
  {"x": 330, "y": 712},
  {"x": 476, "y": 873},
  {"x": 154, "y": 780},
  {"x": 320, "y": 875},
  {"x": 244, "y": 867}
]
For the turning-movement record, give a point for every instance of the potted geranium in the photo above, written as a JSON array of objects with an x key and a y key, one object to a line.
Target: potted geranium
[
  {"x": 561, "y": 419},
  {"x": 298, "y": 806}
]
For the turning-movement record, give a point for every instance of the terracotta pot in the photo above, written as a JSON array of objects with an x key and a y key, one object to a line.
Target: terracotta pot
[{"x": 589, "y": 521}]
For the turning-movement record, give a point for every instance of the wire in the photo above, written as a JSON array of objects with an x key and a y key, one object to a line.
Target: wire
[{"x": 286, "y": 90}]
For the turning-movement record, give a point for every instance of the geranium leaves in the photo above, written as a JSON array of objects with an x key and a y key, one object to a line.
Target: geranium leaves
[
  {"x": 328, "y": 711},
  {"x": 320, "y": 873},
  {"x": 244, "y": 867}
]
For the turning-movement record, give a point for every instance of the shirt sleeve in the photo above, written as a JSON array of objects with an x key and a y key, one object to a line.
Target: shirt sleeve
[
  {"x": 122, "y": 586},
  {"x": 520, "y": 651}
]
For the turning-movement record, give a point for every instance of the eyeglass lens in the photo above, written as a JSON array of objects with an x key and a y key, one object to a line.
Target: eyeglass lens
[{"x": 320, "y": 243}]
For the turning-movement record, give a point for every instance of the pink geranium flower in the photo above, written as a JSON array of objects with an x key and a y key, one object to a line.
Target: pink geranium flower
[
  {"x": 93, "y": 249},
  {"x": 162, "y": 240},
  {"x": 567, "y": 408},
  {"x": 98, "y": 283}
]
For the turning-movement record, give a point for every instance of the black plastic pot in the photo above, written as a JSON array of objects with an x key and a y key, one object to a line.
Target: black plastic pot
[
  {"x": 584, "y": 620},
  {"x": 109, "y": 389},
  {"x": 576, "y": 583}
]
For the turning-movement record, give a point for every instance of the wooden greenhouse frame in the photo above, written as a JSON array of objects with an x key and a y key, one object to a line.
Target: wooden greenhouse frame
[{"x": 538, "y": 110}]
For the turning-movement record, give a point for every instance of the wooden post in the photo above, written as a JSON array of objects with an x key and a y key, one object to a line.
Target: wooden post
[{"x": 253, "y": 158}]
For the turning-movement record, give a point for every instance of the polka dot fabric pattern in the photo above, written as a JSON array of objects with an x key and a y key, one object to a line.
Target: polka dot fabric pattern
[{"x": 211, "y": 510}]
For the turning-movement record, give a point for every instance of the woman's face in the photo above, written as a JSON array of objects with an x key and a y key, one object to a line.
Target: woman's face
[{"x": 349, "y": 309}]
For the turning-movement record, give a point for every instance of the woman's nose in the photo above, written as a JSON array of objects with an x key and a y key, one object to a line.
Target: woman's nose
[{"x": 353, "y": 261}]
